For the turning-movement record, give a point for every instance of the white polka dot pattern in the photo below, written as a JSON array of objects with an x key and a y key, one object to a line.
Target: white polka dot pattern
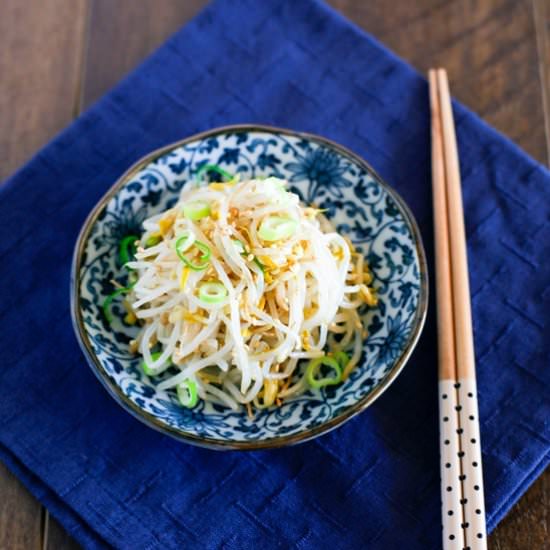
[
  {"x": 472, "y": 481},
  {"x": 451, "y": 490}
]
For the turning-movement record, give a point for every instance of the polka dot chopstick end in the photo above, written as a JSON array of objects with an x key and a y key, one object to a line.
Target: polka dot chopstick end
[
  {"x": 462, "y": 502},
  {"x": 472, "y": 476},
  {"x": 451, "y": 473}
]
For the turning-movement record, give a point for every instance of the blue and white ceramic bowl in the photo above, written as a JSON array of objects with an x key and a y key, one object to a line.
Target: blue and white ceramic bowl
[{"x": 359, "y": 204}]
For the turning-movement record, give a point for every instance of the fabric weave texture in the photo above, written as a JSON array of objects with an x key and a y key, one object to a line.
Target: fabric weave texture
[{"x": 372, "y": 483}]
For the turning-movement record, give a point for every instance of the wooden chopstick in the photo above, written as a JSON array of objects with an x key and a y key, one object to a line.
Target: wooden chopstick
[
  {"x": 450, "y": 467},
  {"x": 463, "y": 511}
]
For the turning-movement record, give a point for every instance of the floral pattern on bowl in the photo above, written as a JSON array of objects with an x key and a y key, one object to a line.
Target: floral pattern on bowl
[{"x": 360, "y": 206}]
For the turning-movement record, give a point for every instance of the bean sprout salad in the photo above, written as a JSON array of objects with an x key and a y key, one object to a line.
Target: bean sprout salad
[{"x": 243, "y": 295}]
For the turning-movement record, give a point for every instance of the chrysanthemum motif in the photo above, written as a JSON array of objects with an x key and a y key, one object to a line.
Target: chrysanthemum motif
[
  {"x": 396, "y": 339},
  {"x": 119, "y": 225},
  {"x": 324, "y": 170}
]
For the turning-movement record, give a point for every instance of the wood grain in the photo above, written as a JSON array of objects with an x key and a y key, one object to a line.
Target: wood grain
[
  {"x": 54, "y": 537},
  {"x": 488, "y": 48},
  {"x": 20, "y": 514},
  {"x": 120, "y": 38},
  {"x": 59, "y": 56},
  {"x": 541, "y": 15},
  {"x": 40, "y": 63},
  {"x": 526, "y": 525}
]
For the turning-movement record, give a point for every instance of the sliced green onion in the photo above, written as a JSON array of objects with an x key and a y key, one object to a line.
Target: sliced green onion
[
  {"x": 241, "y": 250},
  {"x": 183, "y": 243},
  {"x": 153, "y": 372},
  {"x": 212, "y": 293},
  {"x": 196, "y": 210},
  {"x": 212, "y": 168},
  {"x": 205, "y": 257},
  {"x": 153, "y": 240},
  {"x": 127, "y": 248},
  {"x": 314, "y": 368},
  {"x": 187, "y": 393},
  {"x": 259, "y": 264},
  {"x": 239, "y": 246},
  {"x": 275, "y": 228},
  {"x": 107, "y": 302},
  {"x": 342, "y": 357}
]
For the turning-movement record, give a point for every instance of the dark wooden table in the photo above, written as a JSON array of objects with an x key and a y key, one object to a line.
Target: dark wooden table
[{"x": 58, "y": 56}]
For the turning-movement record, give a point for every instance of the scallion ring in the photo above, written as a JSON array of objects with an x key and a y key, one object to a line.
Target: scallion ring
[
  {"x": 108, "y": 301},
  {"x": 314, "y": 368},
  {"x": 183, "y": 243},
  {"x": 127, "y": 248},
  {"x": 276, "y": 228},
  {"x": 153, "y": 240},
  {"x": 150, "y": 371},
  {"x": 196, "y": 210},
  {"x": 212, "y": 292},
  {"x": 187, "y": 393}
]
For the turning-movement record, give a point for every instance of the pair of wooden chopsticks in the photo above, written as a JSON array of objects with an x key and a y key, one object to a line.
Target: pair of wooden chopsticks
[{"x": 463, "y": 510}]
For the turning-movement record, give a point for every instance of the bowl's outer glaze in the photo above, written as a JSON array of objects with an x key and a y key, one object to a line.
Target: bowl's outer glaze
[{"x": 358, "y": 203}]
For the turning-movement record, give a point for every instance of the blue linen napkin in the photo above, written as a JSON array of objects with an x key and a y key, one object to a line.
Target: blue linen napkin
[{"x": 372, "y": 483}]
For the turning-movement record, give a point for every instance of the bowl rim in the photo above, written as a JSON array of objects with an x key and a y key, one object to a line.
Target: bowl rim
[{"x": 273, "y": 442}]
